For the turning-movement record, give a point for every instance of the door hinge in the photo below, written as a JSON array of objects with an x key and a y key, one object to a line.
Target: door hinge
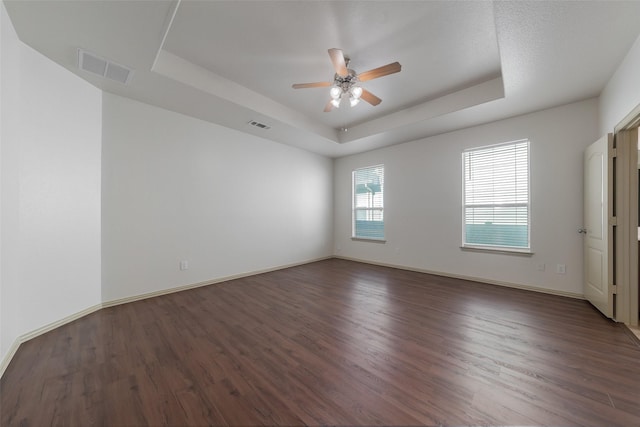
[
  {"x": 614, "y": 152},
  {"x": 614, "y": 289},
  {"x": 613, "y": 220}
]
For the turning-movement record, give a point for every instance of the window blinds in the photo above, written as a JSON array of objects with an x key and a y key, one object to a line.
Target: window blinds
[
  {"x": 496, "y": 196},
  {"x": 368, "y": 202}
]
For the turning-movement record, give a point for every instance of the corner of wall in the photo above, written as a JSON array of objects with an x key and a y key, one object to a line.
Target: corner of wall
[
  {"x": 2, "y": 13},
  {"x": 49, "y": 198},
  {"x": 618, "y": 98}
]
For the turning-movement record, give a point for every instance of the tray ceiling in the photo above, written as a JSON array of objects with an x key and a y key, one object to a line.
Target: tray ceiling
[{"x": 231, "y": 62}]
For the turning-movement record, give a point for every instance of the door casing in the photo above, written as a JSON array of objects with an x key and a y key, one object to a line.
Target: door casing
[{"x": 626, "y": 211}]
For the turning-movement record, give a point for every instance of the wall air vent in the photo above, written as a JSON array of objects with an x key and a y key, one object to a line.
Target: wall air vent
[
  {"x": 95, "y": 64},
  {"x": 259, "y": 125}
]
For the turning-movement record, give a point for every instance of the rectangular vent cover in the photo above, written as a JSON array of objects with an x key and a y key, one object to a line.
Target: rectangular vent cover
[
  {"x": 95, "y": 64},
  {"x": 259, "y": 125}
]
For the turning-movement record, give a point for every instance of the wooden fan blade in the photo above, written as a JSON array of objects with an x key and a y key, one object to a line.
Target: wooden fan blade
[
  {"x": 328, "y": 107},
  {"x": 385, "y": 70},
  {"x": 306, "y": 85},
  {"x": 337, "y": 58},
  {"x": 370, "y": 98}
]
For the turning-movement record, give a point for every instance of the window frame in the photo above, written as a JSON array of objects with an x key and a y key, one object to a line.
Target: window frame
[
  {"x": 513, "y": 250},
  {"x": 355, "y": 209}
]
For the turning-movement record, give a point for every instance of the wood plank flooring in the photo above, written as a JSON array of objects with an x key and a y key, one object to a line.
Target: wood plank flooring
[{"x": 333, "y": 342}]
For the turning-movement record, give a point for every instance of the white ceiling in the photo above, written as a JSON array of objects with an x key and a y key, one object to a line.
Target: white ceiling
[{"x": 229, "y": 62}]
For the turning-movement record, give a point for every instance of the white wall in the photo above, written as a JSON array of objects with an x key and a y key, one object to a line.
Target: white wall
[
  {"x": 423, "y": 197},
  {"x": 5, "y": 57},
  {"x": 621, "y": 94},
  {"x": 50, "y": 211},
  {"x": 177, "y": 188}
]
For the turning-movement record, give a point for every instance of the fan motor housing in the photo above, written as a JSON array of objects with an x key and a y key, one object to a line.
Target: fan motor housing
[{"x": 347, "y": 81}]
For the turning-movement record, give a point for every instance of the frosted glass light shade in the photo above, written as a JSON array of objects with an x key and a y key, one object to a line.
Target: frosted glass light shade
[{"x": 356, "y": 91}]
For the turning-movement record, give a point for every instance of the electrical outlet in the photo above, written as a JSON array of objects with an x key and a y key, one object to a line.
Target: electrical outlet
[
  {"x": 561, "y": 269},
  {"x": 184, "y": 265}
]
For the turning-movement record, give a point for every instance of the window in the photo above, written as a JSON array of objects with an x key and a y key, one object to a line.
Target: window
[
  {"x": 368, "y": 203},
  {"x": 496, "y": 197}
]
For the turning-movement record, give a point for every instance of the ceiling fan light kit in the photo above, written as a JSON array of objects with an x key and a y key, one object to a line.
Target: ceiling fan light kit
[
  {"x": 337, "y": 93},
  {"x": 346, "y": 82}
]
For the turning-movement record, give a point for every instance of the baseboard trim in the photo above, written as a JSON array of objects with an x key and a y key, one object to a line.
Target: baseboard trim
[
  {"x": 154, "y": 294},
  {"x": 7, "y": 358},
  {"x": 4, "y": 363},
  {"x": 470, "y": 278},
  {"x": 42, "y": 330},
  {"x": 633, "y": 332}
]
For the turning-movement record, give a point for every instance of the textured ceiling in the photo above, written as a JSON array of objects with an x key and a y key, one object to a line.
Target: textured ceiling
[
  {"x": 229, "y": 62},
  {"x": 442, "y": 47}
]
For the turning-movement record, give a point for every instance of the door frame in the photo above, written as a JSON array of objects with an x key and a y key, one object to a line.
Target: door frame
[{"x": 626, "y": 212}]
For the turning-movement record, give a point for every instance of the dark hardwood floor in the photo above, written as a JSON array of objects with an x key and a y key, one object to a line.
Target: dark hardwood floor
[{"x": 333, "y": 342}]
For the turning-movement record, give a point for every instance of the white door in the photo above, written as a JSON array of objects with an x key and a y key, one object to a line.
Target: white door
[{"x": 598, "y": 288}]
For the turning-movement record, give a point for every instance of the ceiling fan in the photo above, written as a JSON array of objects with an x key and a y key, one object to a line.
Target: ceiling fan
[{"x": 345, "y": 83}]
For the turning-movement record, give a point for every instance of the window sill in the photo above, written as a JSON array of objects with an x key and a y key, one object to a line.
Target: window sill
[
  {"x": 502, "y": 251},
  {"x": 365, "y": 239}
]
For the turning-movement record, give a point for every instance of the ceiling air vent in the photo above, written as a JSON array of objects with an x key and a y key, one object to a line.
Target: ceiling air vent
[
  {"x": 95, "y": 64},
  {"x": 259, "y": 125}
]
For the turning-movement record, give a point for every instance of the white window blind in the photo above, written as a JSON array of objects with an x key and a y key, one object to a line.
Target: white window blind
[
  {"x": 368, "y": 203},
  {"x": 496, "y": 196}
]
